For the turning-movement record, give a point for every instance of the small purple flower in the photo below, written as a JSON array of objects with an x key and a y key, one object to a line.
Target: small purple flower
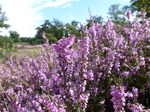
[
  {"x": 71, "y": 92},
  {"x": 136, "y": 107},
  {"x": 125, "y": 73},
  {"x": 90, "y": 75},
  {"x": 130, "y": 95},
  {"x": 128, "y": 14},
  {"x": 135, "y": 91},
  {"x": 109, "y": 24},
  {"x": 118, "y": 99},
  {"x": 102, "y": 102},
  {"x": 142, "y": 63},
  {"x": 143, "y": 13}
]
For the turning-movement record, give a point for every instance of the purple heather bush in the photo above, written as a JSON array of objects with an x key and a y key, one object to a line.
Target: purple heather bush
[{"x": 108, "y": 71}]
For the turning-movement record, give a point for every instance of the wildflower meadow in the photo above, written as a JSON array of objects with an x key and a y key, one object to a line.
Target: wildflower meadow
[{"x": 106, "y": 70}]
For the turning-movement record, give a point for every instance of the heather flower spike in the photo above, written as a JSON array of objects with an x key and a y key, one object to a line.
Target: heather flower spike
[
  {"x": 44, "y": 36},
  {"x": 143, "y": 13},
  {"x": 91, "y": 17},
  {"x": 128, "y": 14}
]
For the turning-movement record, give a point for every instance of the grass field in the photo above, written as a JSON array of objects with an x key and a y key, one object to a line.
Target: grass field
[
  {"x": 24, "y": 49},
  {"x": 25, "y": 52}
]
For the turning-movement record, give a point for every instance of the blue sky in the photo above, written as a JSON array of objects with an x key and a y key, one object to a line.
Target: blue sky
[{"x": 25, "y": 15}]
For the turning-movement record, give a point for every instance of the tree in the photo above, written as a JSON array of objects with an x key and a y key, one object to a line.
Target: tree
[
  {"x": 54, "y": 27},
  {"x": 96, "y": 19},
  {"x": 140, "y": 5},
  {"x": 43, "y": 28},
  {"x": 6, "y": 44},
  {"x": 3, "y": 18},
  {"x": 76, "y": 24},
  {"x": 6, "y": 47},
  {"x": 70, "y": 29},
  {"x": 14, "y": 36},
  {"x": 57, "y": 29},
  {"x": 117, "y": 14},
  {"x": 51, "y": 38}
]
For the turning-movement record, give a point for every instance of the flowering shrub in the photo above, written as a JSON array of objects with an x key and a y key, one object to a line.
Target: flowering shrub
[{"x": 108, "y": 71}]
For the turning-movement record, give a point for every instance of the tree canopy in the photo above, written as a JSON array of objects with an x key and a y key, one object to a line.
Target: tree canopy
[
  {"x": 117, "y": 13},
  {"x": 49, "y": 27},
  {"x": 56, "y": 29},
  {"x": 3, "y": 18},
  {"x": 96, "y": 19},
  {"x": 14, "y": 36},
  {"x": 140, "y": 5}
]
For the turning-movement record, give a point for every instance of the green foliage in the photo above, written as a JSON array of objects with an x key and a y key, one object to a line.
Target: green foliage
[
  {"x": 14, "y": 36},
  {"x": 34, "y": 41},
  {"x": 96, "y": 19},
  {"x": 43, "y": 28},
  {"x": 1, "y": 53},
  {"x": 78, "y": 26},
  {"x": 6, "y": 47},
  {"x": 3, "y": 18},
  {"x": 140, "y": 5},
  {"x": 55, "y": 29},
  {"x": 71, "y": 29},
  {"x": 51, "y": 38},
  {"x": 117, "y": 14},
  {"x": 25, "y": 39}
]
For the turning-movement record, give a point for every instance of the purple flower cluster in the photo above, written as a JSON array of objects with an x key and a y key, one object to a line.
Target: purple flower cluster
[
  {"x": 118, "y": 99},
  {"x": 107, "y": 69}
]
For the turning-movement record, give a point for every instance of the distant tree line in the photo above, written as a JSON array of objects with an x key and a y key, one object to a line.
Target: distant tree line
[{"x": 56, "y": 29}]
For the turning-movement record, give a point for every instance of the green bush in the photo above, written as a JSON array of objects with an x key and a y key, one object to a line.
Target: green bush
[
  {"x": 6, "y": 47},
  {"x": 35, "y": 41}
]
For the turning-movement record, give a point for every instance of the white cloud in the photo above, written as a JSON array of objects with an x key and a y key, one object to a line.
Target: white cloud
[
  {"x": 50, "y": 3},
  {"x": 64, "y": 6},
  {"x": 23, "y": 15},
  {"x": 67, "y": 5},
  {"x": 73, "y": 18},
  {"x": 105, "y": 15}
]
